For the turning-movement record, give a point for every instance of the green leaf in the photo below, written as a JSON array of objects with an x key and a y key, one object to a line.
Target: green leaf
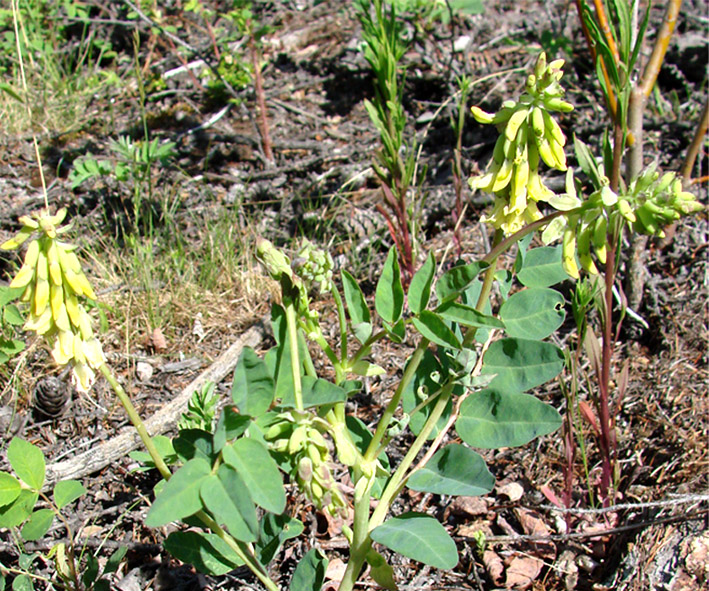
[
  {"x": 316, "y": 392},
  {"x": 420, "y": 288},
  {"x": 22, "y": 583},
  {"x": 226, "y": 497},
  {"x": 504, "y": 279},
  {"x": 38, "y": 524},
  {"x": 432, "y": 327},
  {"x": 457, "y": 280},
  {"x": 419, "y": 537},
  {"x": 309, "y": 575},
  {"x": 275, "y": 530},
  {"x": 381, "y": 571},
  {"x": 252, "y": 389},
  {"x": 356, "y": 304},
  {"x": 522, "y": 247},
  {"x": 453, "y": 470},
  {"x": 521, "y": 364},
  {"x": 9, "y": 90},
  {"x": 16, "y": 512},
  {"x": 90, "y": 573},
  {"x": 180, "y": 496},
  {"x": 9, "y": 294},
  {"x": 229, "y": 426},
  {"x": 533, "y": 313},
  {"x": 10, "y": 348},
  {"x": 467, "y": 316},
  {"x": 389, "y": 295},
  {"x": 259, "y": 472},
  {"x": 27, "y": 461},
  {"x": 194, "y": 443},
  {"x": 12, "y": 315},
  {"x": 587, "y": 162},
  {"x": 114, "y": 560},
  {"x": 468, "y": 6},
  {"x": 542, "y": 267},
  {"x": 67, "y": 491},
  {"x": 397, "y": 332},
  {"x": 9, "y": 488},
  {"x": 206, "y": 552},
  {"x": 165, "y": 449},
  {"x": 426, "y": 382},
  {"x": 493, "y": 418}
]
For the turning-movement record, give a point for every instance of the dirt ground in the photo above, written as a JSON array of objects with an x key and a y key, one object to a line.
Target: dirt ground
[{"x": 315, "y": 80}]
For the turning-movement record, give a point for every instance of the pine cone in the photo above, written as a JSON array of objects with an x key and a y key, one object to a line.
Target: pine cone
[{"x": 50, "y": 396}]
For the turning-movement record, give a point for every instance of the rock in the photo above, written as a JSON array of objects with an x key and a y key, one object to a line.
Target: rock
[{"x": 144, "y": 371}]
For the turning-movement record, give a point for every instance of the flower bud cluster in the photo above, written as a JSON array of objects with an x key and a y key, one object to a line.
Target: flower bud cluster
[
  {"x": 53, "y": 282},
  {"x": 314, "y": 266},
  {"x": 659, "y": 201},
  {"x": 528, "y": 135},
  {"x": 311, "y": 267},
  {"x": 650, "y": 202},
  {"x": 299, "y": 437}
]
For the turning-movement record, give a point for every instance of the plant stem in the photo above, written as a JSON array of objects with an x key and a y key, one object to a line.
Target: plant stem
[
  {"x": 652, "y": 68},
  {"x": 241, "y": 549},
  {"x": 137, "y": 422},
  {"x": 360, "y": 539},
  {"x": 389, "y": 411},
  {"x": 342, "y": 322},
  {"x": 260, "y": 97},
  {"x": 398, "y": 479},
  {"x": 294, "y": 354},
  {"x": 361, "y": 542},
  {"x": 696, "y": 145},
  {"x": 607, "y": 438},
  {"x": 612, "y": 102}
]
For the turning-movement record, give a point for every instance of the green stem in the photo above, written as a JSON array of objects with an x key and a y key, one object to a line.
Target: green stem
[
  {"x": 389, "y": 411},
  {"x": 510, "y": 241},
  {"x": 399, "y": 478},
  {"x": 137, "y": 422},
  {"x": 487, "y": 282},
  {"x": 342, "y": 321},
  {"x": 241, "y": 550},
  {"x": 361, "y": 541},
  {"x": 295, "y": 358}
]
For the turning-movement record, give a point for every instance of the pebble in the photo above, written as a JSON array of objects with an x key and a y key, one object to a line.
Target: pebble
[{"x": 144, "y": 371}]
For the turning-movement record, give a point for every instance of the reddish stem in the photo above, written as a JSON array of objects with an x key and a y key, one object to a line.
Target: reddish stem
[{"x": 260, "y": 98}]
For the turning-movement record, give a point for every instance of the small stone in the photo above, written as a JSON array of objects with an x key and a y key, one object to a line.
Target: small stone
[
  {"x": 144, "y": 371},
  {"x": 512, "y": 490},
  {"x": 461, "y": 43}
]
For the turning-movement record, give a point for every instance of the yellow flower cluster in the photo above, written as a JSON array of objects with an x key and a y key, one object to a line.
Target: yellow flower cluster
[
  {"x": 54, "y": 281},
  {"x": 528, "y": 134}
]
